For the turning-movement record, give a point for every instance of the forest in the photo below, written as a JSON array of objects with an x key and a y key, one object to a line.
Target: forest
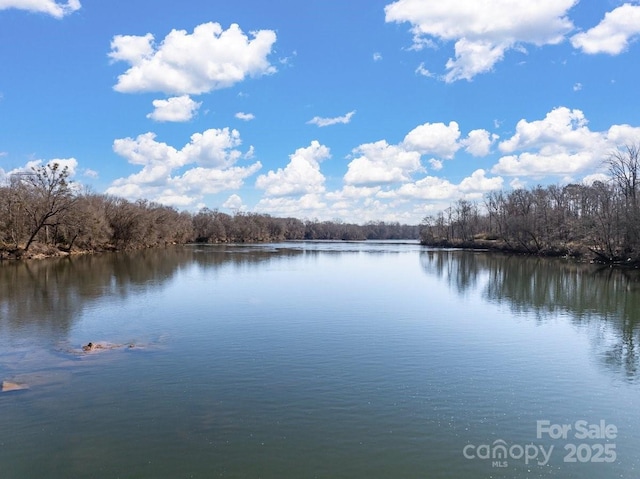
[
  {"x": 43, "y": 213},
  {"x": 600, "y": 221}
]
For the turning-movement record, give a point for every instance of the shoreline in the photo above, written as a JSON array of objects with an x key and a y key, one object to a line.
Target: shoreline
[{"x": 579, "y": 253}]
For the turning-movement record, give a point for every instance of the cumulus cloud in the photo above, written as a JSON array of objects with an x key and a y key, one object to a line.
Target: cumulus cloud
[
  {"x": 483, "y": 30},
  {"x": 350, "y": 192},
  {"x": 306, "y": 206},
  {"x": 561, "y": 126},
  {"x": 245, "y": 116},
  {"x": 435, "y": 188},
  {"x": 70, "y": 163},
  {"x": 176, "y": 109},
  {"x": 208, "y": 59},
  {"x": 213, "y": 180},
  {"x": 380, "y": 163},
  {"x": 479, "y": 142},
  {"x": 613, "y": 34},
  {"x": 49, "y": 7},
  {"x": 477, "y": 184},
  {"x": 301, "y": 176},
  {"x": 211, "y": 157},
  {"x": 560, "y": 144},
  {"x": 434, "y": 139},
  {"x": 234, "y": 203},
  {"x": 427, "y": 188},
  {"x": 591, "y": 179},
  {"x": 319, "y": 121},
  {"x": 377, "y": 57}
]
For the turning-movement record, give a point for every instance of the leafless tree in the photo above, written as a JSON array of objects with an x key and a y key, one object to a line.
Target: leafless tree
[{"x": 45, "y": 196}]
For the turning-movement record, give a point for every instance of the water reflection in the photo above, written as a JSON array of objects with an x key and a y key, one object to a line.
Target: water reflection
[
  {"x": 604, "y": 300},
  {"x": 47, "y": 296}
]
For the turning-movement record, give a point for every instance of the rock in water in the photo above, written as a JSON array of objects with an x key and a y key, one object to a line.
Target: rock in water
[{"x": 10, "y": 386}]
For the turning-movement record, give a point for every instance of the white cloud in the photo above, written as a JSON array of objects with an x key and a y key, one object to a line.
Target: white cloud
[
  {"x": 212, "y": 156},
  {"x": 380, "y": 163},
  {"x": 517, "y": 184},
  {"x": 245, "y": 116},
  {"x": 350, "y": 192},
  {"x": 434, "y": 139},
  {"x": 177, "y": 109},
  {"x": 301, "y": 176},
  {"x": 377, "y": 57},
  {"x": 613, "y": 34},
  {"x": 234, "y": 203},
  {"x": 483, "y": 30},
  {"x": 331, "y": 121},
  {"x": 50, "y": 7},
  {"x": 89, "y": 173},
  {"x": 421, "y": 70},
  {"x": 213, "y": 148},
  {"x": 214, "y": 180},
  {"x": 561, "y": 128},
  {"x": 435, "y": 188},
  {"x": 132, "y": 49},
  {"x": 428, "y": 188},
  {"x": 621, "y": 135},
  {"x": 577, "y": 86},
  {"x": 351, "y": 204},
  {"x": 477, "y": 184},
  {"x": 288, "y": 61},
  {"x": 70, "y": 163},
  {"x": 472, "y": 58},
  {"x": 479, "y": 142},
  {"x": 208, "y": 59},
  {"x": 435, "y": 164},
  {"x": 543, "y": 164},
  {"x": 307, "y": 206},
  {"x": 591, "y": 179},
  {"x": 560, "y": 145}
]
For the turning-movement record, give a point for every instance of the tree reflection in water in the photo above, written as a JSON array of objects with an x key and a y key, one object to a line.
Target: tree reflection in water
[
  {"x": 604, "y": 300},
  {"x": 48, "y": 296}
]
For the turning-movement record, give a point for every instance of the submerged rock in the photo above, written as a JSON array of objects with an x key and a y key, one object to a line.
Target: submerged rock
[
  {"x": 102, "y": 346},
  {"x": 11, "y": 386}
]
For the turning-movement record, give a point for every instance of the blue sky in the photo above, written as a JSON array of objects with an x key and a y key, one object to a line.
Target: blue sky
[{"x": 356, "y": 110}]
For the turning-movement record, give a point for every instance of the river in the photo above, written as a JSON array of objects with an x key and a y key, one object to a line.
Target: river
[{"x": 318, "y": 360}]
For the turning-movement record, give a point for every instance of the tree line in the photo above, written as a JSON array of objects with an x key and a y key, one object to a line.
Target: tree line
[
  {"x": 601, "y": 220},
  {"x": 43, "y": 212}
]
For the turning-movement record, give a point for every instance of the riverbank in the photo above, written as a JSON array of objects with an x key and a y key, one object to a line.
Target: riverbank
[
  {"x": 42, "y": 251},
  {"x": 576, "y": 252}
]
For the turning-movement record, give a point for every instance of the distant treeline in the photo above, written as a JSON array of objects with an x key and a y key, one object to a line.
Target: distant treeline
[
  {"x": 41, "y": 212},
  {"x": 601, "y": 220}
]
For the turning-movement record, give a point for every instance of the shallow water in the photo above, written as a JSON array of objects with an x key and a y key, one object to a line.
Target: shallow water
[{"x": 370, "y": 360}]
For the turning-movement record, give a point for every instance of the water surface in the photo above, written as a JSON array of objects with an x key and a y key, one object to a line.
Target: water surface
[{"x": 302, "y": 360}]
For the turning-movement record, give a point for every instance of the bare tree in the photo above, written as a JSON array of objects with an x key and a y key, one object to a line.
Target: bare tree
[
  {"x": 45, "y": 197},
  {"x": 624, "y": 167}
]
